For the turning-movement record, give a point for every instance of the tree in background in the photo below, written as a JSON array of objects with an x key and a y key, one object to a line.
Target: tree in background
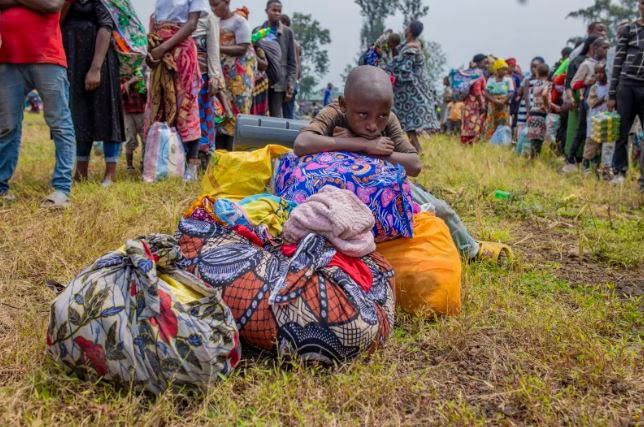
[
  {"x": 608, "y": 12},
  {"x": 412, "y": 10},
  {"x": 374, "y": 13},
  {"x": 315, "y": 57}
]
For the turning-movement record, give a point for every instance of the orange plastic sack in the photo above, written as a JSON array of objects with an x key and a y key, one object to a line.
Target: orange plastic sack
[{"x": 427, "y": 267}]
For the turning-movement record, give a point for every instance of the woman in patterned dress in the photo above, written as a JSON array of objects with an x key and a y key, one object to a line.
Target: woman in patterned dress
[
  {"x": 414, "y": 99},
  {"x": 474, "y": 105},
  {"x": 238, "y": 63}
]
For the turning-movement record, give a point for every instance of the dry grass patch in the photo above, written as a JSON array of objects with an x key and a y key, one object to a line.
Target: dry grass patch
[{"x": 529, "y": 348}]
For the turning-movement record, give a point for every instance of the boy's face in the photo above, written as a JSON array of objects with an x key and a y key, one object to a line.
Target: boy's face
[
  {"x": 274, "y": 13},
  {"x": 366, "y": 118},
  {"x": 601, "y": 51}
]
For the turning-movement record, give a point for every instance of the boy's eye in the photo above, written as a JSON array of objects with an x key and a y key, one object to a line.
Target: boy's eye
[{"x": 363, "y": 115}]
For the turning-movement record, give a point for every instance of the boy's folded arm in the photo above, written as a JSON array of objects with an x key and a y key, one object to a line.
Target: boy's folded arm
[
  {"x": 308, "y": 142},
  {"x": 409, "y": 161}
]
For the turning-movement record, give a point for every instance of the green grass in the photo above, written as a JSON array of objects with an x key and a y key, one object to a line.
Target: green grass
[{"x": 555, "y": 338}]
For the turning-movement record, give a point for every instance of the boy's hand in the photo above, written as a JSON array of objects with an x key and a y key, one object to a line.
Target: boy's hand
[{"x": 381, "y": 146}]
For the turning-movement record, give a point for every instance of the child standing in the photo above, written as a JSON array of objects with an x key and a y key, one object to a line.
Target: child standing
[
  {"x": 537, "y": 112},
  {"x": 499, "y": 93},
  {"x": 173, "y": 95},
  {"x": 597, "y": 104},
  {"x": 583, "y": 79},
  {"x": 454, "y": 117},
  {"x": 133, "y": 113}
]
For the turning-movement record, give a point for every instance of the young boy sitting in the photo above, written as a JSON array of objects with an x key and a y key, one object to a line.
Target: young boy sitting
[{"x": 362, "y": 122}]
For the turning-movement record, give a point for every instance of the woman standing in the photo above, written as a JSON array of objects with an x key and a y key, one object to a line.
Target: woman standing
[
  {"x": 238, "y": 64},
  {"x": 499, "y": 93},
  {"x": 527, "y": 98},
  {"x": 474, "y": 104},
  {"x": 93, "y": 71},
  {"x": 173, "y": 96},
  {"x": 211, "y": 110},
  {"x": 414, "y": 101}
]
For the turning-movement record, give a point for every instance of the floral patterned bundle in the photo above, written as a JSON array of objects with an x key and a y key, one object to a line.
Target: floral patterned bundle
[
  {"x": 133, "y": 317},
  {"x": 380, "y": 185}
]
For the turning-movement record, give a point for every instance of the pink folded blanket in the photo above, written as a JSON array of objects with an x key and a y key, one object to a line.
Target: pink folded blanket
[{"x": 339, "y": 216}]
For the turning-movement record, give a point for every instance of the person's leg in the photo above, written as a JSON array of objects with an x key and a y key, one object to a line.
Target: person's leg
[
  {"x": 112, "y": 152},
  {"x": 52, "y": 84},
  {"x": 580, "y": 135},
  {"x": 83, "y": 153},
  {"x": 464, "y": 241},
  {"x": 193, "y": 160},
  {"x": 12, "y": 93},
  {"x": 627, "y": 109},
  {"x": 413, "y": 138},
  {"x": 131, "y": 142},
  {"x": 275, "y": 102},
  {"x": 288, "y": 108}
]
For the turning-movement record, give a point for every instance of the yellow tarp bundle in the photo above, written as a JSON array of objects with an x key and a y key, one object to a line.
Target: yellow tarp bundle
[
  {"x": 427, "y": 267},
  {"x": 236, "y": 175}
]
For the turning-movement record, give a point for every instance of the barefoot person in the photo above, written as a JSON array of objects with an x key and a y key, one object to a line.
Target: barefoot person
[
  {"x": 29, "y": 60},
  {"x": 362, "y": 122}
]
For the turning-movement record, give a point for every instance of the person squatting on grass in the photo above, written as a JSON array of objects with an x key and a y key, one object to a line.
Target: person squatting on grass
[
  {"x": 34, "y": 59},
  {"x": 362, "y": 122}
]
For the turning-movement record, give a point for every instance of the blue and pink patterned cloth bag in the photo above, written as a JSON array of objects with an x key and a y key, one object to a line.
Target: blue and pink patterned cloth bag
[{"x": 382, "y": 186}]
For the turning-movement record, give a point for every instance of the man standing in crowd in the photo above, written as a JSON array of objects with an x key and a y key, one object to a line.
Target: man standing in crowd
[
  {"x": 283, "y": 90},
  {"x": 627, "y": 92},
  {"x": 32, "y": 57}
]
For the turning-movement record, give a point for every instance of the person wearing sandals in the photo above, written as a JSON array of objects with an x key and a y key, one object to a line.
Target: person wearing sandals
[
  {"x": 95, "y": 88},
  {"x": 34, "y": 60}
]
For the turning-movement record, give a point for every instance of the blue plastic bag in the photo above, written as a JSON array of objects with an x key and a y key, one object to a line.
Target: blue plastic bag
[{"x": 502, "y": 136}]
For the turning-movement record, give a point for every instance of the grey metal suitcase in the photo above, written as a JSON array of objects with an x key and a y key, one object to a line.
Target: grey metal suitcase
[{"x": 259, "y": 131}]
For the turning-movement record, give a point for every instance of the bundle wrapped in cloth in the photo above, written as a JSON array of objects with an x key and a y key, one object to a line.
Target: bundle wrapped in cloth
[
  {"x": 134, "y": 317},
  {"x": 304, "y": 300},
  {"x": 380, "y": 185},
  {"x": 339, "y": 216}
]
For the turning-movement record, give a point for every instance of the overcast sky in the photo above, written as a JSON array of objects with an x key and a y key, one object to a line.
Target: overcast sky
[{"x": 463, "y": 27}]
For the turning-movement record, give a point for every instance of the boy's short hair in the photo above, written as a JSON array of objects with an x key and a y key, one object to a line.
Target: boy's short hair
[
  {"x": 543, "y": 70},
  {"x": 270, "y": 2}
]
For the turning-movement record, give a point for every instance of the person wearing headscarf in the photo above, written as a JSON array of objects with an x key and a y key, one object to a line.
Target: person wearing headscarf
[
  {"x": 474, "y": 104},
  {"x": 499, "y": 92},
  {"x": 414, "y": 100}
]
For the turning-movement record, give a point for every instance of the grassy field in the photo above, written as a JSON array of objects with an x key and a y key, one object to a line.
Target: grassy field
[{"x": 554, "y": 339}]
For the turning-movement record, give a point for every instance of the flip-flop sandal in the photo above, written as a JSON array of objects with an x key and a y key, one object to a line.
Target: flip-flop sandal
[
  {"x": 56, "y": 200},
  {"x": 495, "y": 252}
]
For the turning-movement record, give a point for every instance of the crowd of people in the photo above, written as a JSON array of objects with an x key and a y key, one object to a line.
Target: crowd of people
[
  {"x": 103, "y": 77},
  {"x": 493, "y": 100}
]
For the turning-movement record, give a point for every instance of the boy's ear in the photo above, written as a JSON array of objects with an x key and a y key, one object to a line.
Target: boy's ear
[{"x": 343, "y": 103}]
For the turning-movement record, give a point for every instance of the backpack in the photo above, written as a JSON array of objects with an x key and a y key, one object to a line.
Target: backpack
[{"x": 461, "y": 82}]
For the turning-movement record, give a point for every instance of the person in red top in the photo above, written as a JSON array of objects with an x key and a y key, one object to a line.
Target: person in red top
[{"x": 32, "y": 57}]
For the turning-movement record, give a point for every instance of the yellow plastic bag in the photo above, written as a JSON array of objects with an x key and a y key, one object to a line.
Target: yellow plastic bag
[
  {"x": 238, "y": 174},
  {"x": 427, "y": 267}
]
